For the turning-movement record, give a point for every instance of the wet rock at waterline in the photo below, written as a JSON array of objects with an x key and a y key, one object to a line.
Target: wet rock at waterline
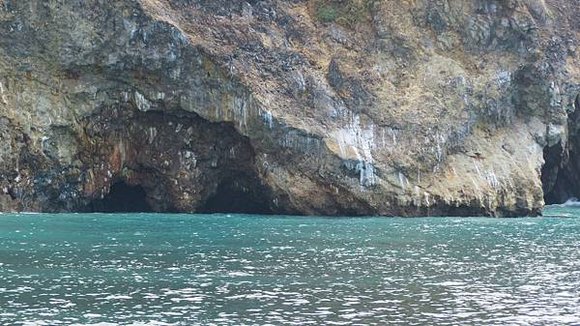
[{"x": 303, "y": 107}]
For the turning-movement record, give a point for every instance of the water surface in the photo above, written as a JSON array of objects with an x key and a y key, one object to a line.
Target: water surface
[{"x": 154, "y": 269}]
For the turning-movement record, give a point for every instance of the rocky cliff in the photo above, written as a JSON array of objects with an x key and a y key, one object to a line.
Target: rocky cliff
[{"x": 355, "y": 107}]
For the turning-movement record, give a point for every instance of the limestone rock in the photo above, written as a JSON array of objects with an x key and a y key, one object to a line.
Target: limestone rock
[{"x": 304, "y": 107}]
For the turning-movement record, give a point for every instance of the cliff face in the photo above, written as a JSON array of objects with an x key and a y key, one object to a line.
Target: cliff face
[{"x": 312, "y": 107}]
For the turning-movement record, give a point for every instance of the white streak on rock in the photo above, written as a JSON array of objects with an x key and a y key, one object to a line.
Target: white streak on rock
[
  {"x": 142, "y": 103},
  {"x": 2, "y": 95},
  {"x": 152, "y": 134},
  {"x": 268, "y": 119},
  {"x": 356, "y": 141}
]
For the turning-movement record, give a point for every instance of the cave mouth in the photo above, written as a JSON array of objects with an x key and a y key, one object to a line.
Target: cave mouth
[
  {"x": 238, "y": 196},
  {"x": 185, "y": 164},
  {"x": 555, "y": 185},
  {"x": 561, "y": 170},
  {"x": 122, "y": 198}
]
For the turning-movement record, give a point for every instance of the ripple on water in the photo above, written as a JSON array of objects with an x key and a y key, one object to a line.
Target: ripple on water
[{"x": 243, "y": 270}]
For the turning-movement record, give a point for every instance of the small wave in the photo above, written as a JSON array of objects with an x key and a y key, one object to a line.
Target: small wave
[{"x": 572, "y": 202}]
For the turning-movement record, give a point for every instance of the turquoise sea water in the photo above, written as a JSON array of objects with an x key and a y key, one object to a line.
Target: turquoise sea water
[{"x": 153, "y": 269}]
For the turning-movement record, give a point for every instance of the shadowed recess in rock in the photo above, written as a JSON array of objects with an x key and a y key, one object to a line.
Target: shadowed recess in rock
[
  {"x": 122, "y": 198},
  {"x": 561, "y": 170},
  {"x": 554, "y": 189},
  {"x": 237, "y": 196}
]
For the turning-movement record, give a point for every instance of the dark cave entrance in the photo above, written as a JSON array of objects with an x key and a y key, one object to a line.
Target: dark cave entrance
[
  {"x": 184, "y": 164},
  {"x": 239, "y": 196},
  {"x": 122, "y": 198},
  {"x": 557, "y": 188},
  {"x": 561, "y": 170}
]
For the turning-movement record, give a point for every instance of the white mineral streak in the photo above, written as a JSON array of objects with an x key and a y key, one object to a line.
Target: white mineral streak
[
  {"x": 268, "y": 119},
  {"x": 492, "y": 179},
  {"x": 503, "y": 78},
  {"x": 152, "y": 134},
  {"x": 122, "y": 151},
  {"x": 2, "y": 95},
  {"x": 43, "y": 141},
  {"x": 240, "y": 110},
  {"x": 403, "y": 181},
  {"x": 356, "y": 141},
  {"x": 142, "y": 103}
]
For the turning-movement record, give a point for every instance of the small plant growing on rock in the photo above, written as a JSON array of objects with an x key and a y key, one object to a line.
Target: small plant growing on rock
[
  {"x": 326, "y": 13},
  {"x": 343, "y": 12}
]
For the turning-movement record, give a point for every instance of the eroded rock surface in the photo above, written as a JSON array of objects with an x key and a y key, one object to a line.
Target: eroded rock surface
[{"x": 351, "y": 107}]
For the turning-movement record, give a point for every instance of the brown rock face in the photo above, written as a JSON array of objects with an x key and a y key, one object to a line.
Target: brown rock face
[{"x": 301, "y": 107}]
